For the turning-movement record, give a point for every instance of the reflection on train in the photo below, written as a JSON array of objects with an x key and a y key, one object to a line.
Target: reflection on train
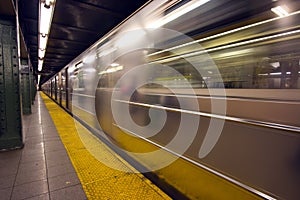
[{"x": 233, "y": 66}]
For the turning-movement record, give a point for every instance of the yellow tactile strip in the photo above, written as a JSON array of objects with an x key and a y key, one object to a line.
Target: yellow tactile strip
[{"x": 98, "y": 180}]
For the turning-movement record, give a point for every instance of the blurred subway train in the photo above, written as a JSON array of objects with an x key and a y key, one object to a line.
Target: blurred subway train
[{"x": 204, "y": 94}]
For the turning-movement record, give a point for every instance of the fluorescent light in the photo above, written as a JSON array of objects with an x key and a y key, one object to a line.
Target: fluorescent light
[
  {"x": 263, "y": 74},
  {"x": 110, "y": 70},
  {"x": 177, "y": 13},
  {"x": 48, "y": 3},
  {"x": 41, "y": 53},
  {"x": 42, "y": 42},
  {"x": 275, "y": 64},
  {"x": 40, "y": 64},
  {"x": 45, "y": 19},
  {"x": 280, "y": 11},
  {"x": 39, "y": 78},
  {"x": 275, "y": 73},
  {"x": 114, "y": 64}
]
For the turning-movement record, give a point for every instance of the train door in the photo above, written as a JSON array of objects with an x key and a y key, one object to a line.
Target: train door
[
  {"x": 67, "y": 87},
  {"x": 59, "y": 88}
]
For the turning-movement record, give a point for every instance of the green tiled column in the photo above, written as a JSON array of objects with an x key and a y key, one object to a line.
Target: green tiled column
[
  {"x": 10, "y": 105},
  {"x": 32, "y": 86},
  {"x": 25, "y": 88}
]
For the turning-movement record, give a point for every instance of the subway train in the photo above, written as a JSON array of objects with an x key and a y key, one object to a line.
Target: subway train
[{"x": 203, "y": 94}]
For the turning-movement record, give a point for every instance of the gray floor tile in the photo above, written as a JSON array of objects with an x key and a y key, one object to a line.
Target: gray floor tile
[
  {"x": 5, "y": 193},
  {"x": 38, "y": 152},
  {"x": 51, "y": 134},
  {"x": 54, "y": 148},
  {"x": 10, "y": 154},
  {"x": 48, "y": 125},
  {"x": 34, "y": 132},
  {"x": 60, "y": 170},
  {"x": 31, "y": 158},
  {"x": 23, "y": 173},
  {"x": 30, "y": 176},
  {"x": 33, "y": 140},
  {"x": 32, "y": 166},
  {"x": 69, "y": 193},
  {"x": 9, "y": 170},
  {"x": 34, "y": 125},
  {"x": 51, "y": 138},
  {"x": 50, "y": 143},
  {"x": 63, "y": 181},
  {"x": 62, "y": 154},
  {"x": 40, "y": 197},
  {"x": 8, "y": 163},
  {"x": 7, "y": 181},
  {"x": 52, "y": 163},
  {"x": 49, "y": 129},
  {"x": 30, "y": 134},
  {"x": 29, "y": 190},
  {"x": 33, "y": 146}
]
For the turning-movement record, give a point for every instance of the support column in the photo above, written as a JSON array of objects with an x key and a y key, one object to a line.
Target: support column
[
  {"x": 10, "y": 105},
  {"x": 33, "y": 86},
  {"x": 25, "y": 87}
]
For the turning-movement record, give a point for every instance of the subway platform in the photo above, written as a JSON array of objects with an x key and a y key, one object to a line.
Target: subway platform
[{"x": 54, "y": 164}]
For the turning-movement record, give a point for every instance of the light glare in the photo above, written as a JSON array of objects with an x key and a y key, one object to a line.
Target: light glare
[
  {"x": 41, "y": 53},
  {"x": 177, "y": 13},
  {"x": 280, "y": 11},
  {"x": 45, "y": 19},
  {"x": 43, "y": 42}
]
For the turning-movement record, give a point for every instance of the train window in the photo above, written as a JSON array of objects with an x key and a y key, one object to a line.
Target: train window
[{"x": 250, "y": 45}]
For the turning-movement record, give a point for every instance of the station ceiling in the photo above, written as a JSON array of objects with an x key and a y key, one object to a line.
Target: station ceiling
[{"x": 76, "y": 25}]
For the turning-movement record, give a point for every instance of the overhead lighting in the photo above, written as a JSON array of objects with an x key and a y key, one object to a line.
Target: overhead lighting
[
  {"x": 275, "y": 64},
  {"x": 48, "y": 3},
  {"x": 177, "y": 13},
  {"x": 39, "y": 78},
  {"x": 43, "y": 42},
  {"x": 40, "y": 64},
  {"x": 114, "y": 64},
  {"x": 281, "y": 11},
  {"x": 275, "y": 73},
  {"x": 45, "y": 18},
  {"x": 41, "y": 53}
]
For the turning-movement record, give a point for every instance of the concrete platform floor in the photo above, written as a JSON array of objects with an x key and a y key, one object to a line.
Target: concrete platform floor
[{"x": 42, "y": 169}]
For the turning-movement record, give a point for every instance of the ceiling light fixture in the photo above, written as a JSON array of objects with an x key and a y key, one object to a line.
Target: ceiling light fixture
[
  {"x": 40, "y": 65},
  {"x": 39, "y": 78},
  {"x": 45, "y": 17}
]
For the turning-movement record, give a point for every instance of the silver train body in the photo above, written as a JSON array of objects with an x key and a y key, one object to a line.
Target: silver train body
[{"x": 225, "y": 76}]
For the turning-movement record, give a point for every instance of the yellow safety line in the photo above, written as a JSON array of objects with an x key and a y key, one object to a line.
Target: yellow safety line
[{"x": 98, "y": 180}]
